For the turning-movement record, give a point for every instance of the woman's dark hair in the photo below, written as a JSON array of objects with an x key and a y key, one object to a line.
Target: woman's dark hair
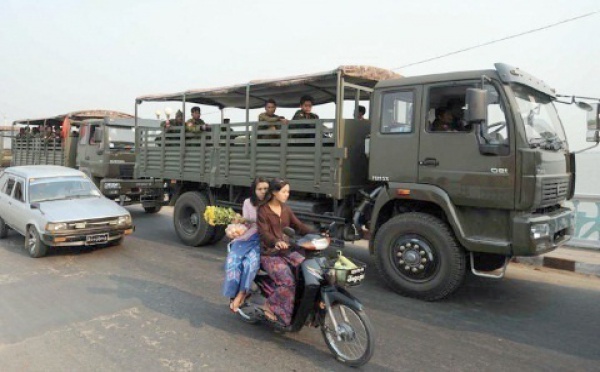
[
  {"x": 275, "y": 185},
  {"x": 253, "y": 199}
]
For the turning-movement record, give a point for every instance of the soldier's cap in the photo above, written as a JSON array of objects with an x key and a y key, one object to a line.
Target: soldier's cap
[{"x": 179, "y": 113}]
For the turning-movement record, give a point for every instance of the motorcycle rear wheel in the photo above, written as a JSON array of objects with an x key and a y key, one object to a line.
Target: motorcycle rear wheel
[{"x": 357, "y": 336}]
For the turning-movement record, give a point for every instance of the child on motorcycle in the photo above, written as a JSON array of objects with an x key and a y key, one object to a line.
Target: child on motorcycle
[
  {"x": 244, "y": 256},
  {"x": 276, "y": 256}
]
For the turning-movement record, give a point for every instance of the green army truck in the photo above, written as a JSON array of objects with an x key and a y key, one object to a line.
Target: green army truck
[
  {"x": 99, "y": 143},
  {"x": 433, "y": 200}
]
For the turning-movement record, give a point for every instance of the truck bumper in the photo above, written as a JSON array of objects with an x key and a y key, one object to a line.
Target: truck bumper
[
  {"x": 534, "y": 234},
  {"x": 134, "y": 191}
]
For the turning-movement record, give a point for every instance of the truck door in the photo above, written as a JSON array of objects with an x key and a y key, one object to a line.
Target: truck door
[
  {"x": 394, "y": 143},
  {"x": 450, "y": 155},
  {"x": 90, "y": 144}
]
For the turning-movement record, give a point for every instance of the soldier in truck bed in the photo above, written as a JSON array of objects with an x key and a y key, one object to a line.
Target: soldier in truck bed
[
  {"x": 195, "y": 124},
  {"x": 305, "y": 112}
]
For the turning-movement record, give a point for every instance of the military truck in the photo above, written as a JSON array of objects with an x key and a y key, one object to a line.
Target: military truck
[
  {"x": 433, "y": 201},
  {"x": 100, "y": 144}
]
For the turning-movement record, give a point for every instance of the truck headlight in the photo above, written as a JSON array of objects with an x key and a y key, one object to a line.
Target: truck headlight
[
  {"x": 540, "y": 230},
  {"x": 124, "y": 220},
  {"x": 112, "y": 185},
  {"x": 56, "y": 226}
]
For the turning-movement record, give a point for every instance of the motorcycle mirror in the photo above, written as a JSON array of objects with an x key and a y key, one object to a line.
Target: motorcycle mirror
[{"x": 289, "y": 232}]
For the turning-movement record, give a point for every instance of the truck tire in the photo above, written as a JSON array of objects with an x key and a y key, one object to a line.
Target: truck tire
[
  {"x": 3, "y": 229},
  {"x": 418, "y": 256},
  {"x": 154, "y": 209},
  {"x": 188, "y": 219},
  {"x": 218, "y": 235}
]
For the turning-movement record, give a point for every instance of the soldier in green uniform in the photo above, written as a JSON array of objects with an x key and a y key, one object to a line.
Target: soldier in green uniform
[
  {"x": 195, "y": 124},
  {"x": 178, "y": 122},
  {"x": 306, "y": 104},
  {"x": 269, "y": 114}
]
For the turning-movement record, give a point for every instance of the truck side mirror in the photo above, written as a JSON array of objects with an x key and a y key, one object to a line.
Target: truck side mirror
[
  {"x": 593, "y": 124},
  {"x": 476, "y": 112}
]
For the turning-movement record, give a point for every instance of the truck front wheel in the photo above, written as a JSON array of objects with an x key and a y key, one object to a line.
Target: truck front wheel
[
  {"x": 418, "y": 256},
  {"x": 188, "y": 218}
]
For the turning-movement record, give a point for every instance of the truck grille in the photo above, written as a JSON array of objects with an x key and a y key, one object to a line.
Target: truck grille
[
  {"x": 126, "y": 171},
  {"x": 554, "y": 191}
]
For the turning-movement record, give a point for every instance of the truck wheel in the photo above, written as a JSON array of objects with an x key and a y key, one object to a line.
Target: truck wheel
[
  {"x": 152, "y": 210},
  {"x": 418, "y": 256},
  {"x": 3, "y": 229},
  {"x": 218, "y": 235},
  {"x": 34, "y": 244},
  {"x": 188, "y": 218}
]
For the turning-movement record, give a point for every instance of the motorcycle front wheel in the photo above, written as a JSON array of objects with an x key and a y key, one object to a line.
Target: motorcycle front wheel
[{"x": 353, "y": 341}]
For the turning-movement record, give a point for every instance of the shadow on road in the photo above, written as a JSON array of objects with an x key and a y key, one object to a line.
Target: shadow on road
[{"x": 173, "y": 302}]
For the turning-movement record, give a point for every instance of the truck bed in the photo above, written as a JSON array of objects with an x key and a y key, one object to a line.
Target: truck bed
[{"x": 309, "y": 153}]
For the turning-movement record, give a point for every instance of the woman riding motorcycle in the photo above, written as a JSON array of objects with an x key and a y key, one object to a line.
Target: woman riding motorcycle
[{"x": 276, "y": 257}]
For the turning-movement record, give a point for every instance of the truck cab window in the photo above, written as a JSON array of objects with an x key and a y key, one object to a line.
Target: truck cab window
[
  {"x": 495, "y": 131},
  {"x": 397, "y": 114},
  {"x": 446, "y": 109}
]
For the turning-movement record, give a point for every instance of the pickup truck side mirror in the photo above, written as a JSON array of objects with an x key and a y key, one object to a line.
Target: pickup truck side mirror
[
  {"x": 35, "y": 205},
  {"x": 593, "y": 123}
]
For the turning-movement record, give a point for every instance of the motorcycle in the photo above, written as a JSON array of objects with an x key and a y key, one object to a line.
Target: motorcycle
[{"x": 321, "y": 300}]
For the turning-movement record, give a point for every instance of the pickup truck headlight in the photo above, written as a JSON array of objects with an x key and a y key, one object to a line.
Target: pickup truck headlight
[
  {"x": 112, "y": 185},
  {"x": 124, "y": 220},
  {"x": 56, "y": 226}
]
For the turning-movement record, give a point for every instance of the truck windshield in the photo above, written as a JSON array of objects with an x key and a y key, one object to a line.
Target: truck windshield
[
  {"x": 121, "y": 137},
  {"x": 542, "y": 124},
  {"x": 61, "y": 188}
]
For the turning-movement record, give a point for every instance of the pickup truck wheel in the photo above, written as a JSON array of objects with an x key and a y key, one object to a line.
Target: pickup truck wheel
[
  {"x": 34, "y": 244},
  {"x": 152, "y": 210},
  {"x": 188, "y": 217},
  {"x": 418, "y": 256},
  {"x": 3, "y": 229}
]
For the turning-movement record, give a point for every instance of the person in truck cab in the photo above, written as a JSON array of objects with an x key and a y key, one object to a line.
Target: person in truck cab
[{"x": 443, "y": 120}]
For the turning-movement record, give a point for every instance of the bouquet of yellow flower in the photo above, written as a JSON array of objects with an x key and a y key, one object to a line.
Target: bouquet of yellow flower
[{"x": 220, "y": 216}]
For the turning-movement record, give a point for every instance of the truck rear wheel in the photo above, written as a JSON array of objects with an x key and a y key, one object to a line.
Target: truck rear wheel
[
  {"x": 188, "y": 218},
  {"x": 418, "y": 256}
]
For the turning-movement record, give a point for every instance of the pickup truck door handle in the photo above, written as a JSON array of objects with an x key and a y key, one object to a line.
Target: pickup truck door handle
[
  {"x": 87, "y": 158},
  {"x": 429, "y": 162}
]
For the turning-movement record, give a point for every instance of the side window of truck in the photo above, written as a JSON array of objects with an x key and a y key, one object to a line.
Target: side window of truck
[
  {"x": 83, "y": 135},
  {"x": 19, "y": 194},
  {"x": 397, "y": 112},
  {"x": 3, "y": 179}
]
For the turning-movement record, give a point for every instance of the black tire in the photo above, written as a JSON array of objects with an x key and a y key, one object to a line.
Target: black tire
[
  {"x": 335, "y": 345},
  {"x": 34, "y": 244},
  {"x": 153, "y": 209},
  {"x": 3, "y": 229},
  {"x": 418, "y": 256},
  {"x": 218, "y": 234},
  {"x": 189, "y": 222}
]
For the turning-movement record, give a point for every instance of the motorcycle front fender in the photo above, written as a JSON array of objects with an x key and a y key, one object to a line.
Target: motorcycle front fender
[{"x": 332, "y": 295}]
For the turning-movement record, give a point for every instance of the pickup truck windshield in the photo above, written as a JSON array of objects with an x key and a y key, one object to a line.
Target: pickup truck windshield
[
  {"x": 542, "y": 124},
  {"x": 61, "y": 188},
  {"x": 121, "y": 137}
]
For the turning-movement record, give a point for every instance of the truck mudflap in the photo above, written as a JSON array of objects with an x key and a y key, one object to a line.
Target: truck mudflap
[
  {"x": 534, "y": 233},
  {"x": 133, "y": 191}
]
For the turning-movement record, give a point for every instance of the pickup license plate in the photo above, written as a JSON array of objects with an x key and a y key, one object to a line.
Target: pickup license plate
[{"x": 96, "y": 238}]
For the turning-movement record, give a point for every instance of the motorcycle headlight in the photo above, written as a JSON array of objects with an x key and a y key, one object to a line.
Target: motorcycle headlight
[
  {"x": 112, "y": 185},
  {"x": 56, "y": 226},
  {"x": 124, "y": 220}
]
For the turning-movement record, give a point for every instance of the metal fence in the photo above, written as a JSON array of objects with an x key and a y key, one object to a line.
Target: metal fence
[{"x": 587, "y": 227}]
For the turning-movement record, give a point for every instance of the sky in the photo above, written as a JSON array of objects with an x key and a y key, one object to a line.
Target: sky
[{"x": 69, "y": 55}]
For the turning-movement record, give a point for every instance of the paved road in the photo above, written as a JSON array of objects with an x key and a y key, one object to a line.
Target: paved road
[{"x": 153, "y": 304}]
